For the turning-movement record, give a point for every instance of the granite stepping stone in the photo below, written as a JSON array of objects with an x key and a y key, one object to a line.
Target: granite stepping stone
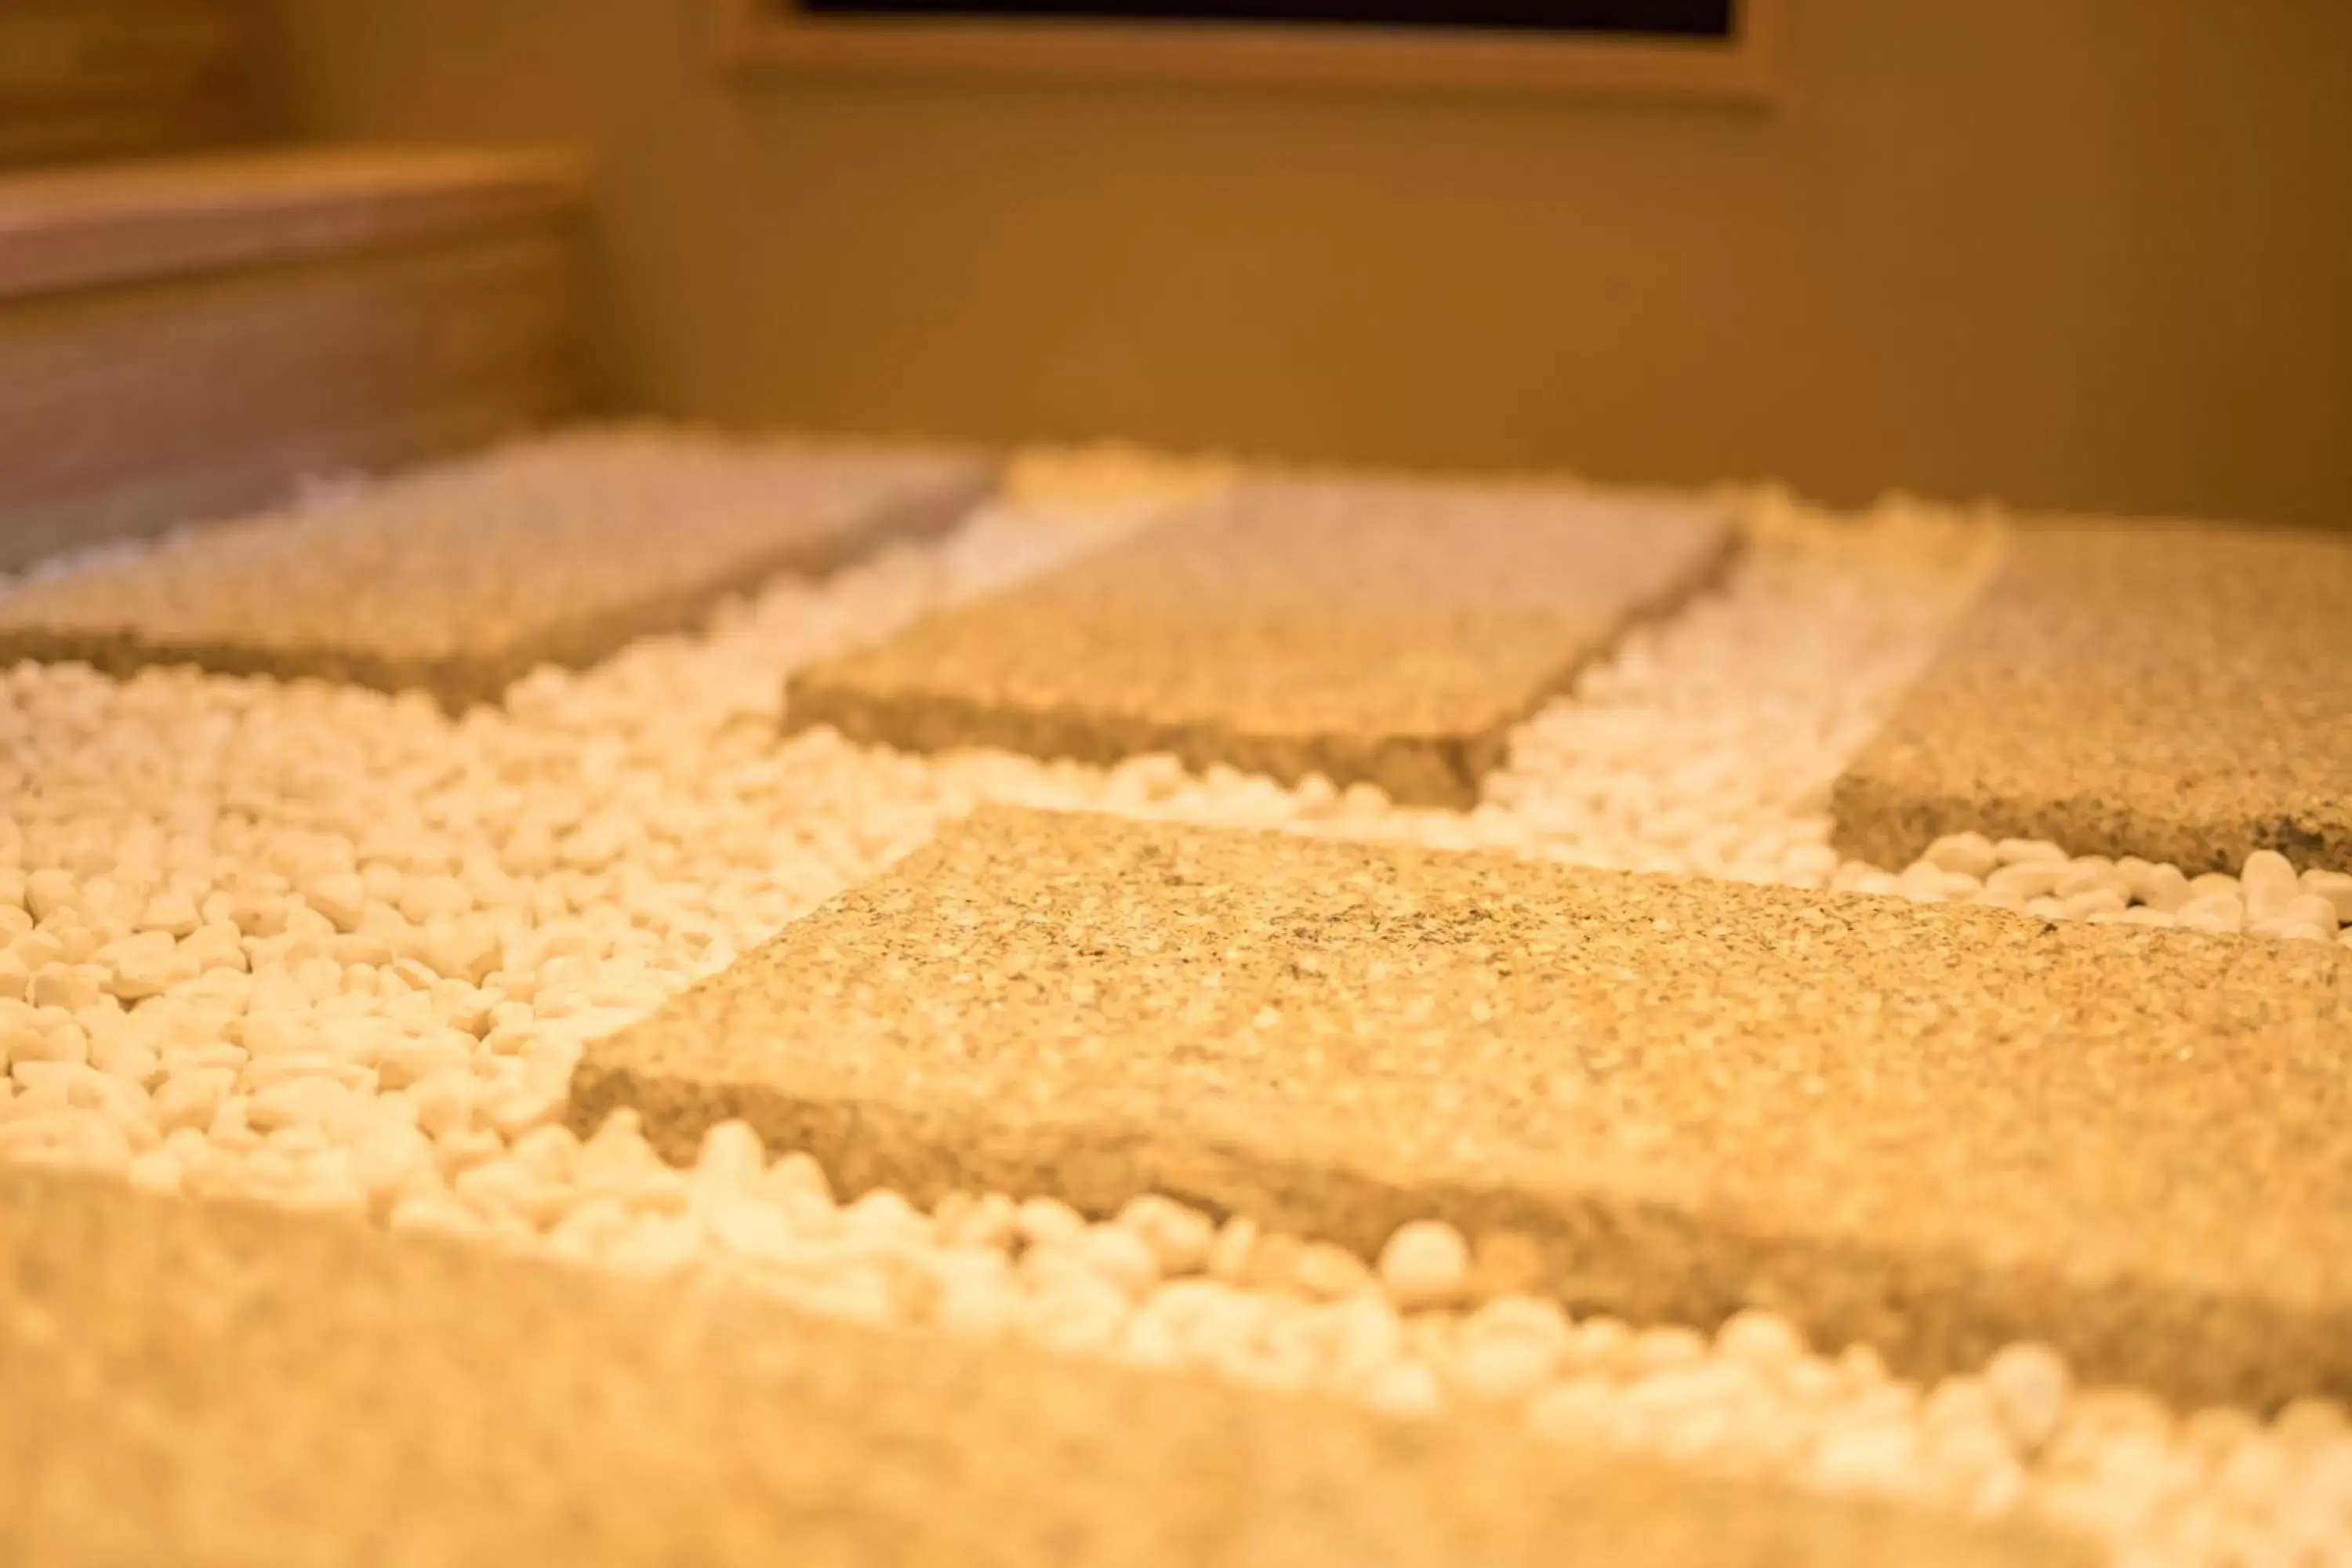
[
  {"x": 458, "y": 579},
  {"x": 2175, "y": 692},
  {"x": 194, "y": 1383},
  {"x": 1388, "y": 632},
  {"x": 1933, "y": 1130}
]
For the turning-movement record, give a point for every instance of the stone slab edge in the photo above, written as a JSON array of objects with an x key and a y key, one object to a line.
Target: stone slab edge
[
  {"x": 1441, "y": 770},
  {"x": 1931, "y": 1310},
  {"x": 207, "y": 1383},
  {"x": 574, "y": 640},
  {"x": 1889, "y": 805},
  {"x": 1920, "y": 777}
]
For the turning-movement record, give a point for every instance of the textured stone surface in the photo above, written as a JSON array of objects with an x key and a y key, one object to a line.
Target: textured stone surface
[
  {"x": 1374, "y": 631},
  {"x": 1931, "y": 1128},
  {"x": 191, "y": 1385},
  {"x": 458, "y": 579},
  {"x": 2178, "y": 693}
]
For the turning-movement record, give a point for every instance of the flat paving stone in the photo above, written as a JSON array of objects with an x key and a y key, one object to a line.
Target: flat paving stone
[
  {"x": 1931, "y": 1128},
  {"x": 2176, "y": 692},
  {"x": 458, "y": 580},
  {"x": 188, "y": 1383},
  {"x": 1386, "y": 632}
]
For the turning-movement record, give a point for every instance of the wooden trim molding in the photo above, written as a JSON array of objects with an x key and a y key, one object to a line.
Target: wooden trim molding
[
  {"x": 80, "y": 227},
  {"x": 779, "y": 35}
]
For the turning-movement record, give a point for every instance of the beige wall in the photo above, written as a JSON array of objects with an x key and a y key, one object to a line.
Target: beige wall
[
  {"x": 94, "y": 80},
  {"x": 2084, "y": 253}
]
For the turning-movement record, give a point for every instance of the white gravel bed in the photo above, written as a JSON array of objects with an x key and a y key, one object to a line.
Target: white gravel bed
[{"x": 330, "y": 948}]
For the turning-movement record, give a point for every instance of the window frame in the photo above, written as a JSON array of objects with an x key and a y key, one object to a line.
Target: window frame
[{"x": 778, "y": 35}]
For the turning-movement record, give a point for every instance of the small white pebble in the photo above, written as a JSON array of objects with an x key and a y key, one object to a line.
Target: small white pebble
[
  {"x": 2028, "y": 1384},
  {"x": 2311, "y": 910},
  {"x": 1425, "y": 1263},
  {"x": 1119, "y": 1256},
  {"x": 731, "y": 1154},
  {"x": 2268, "y": 876},
  {"x": 990, "y": 1221},
  {"x": 2088, "y": 875},
  {"x": 2023, "y": 881},
  {"x": 2027, "y": 851},
  {"x": 1047, "y": 1221},
  {"x": 1179, "y": 1236},
  {"x": 1970, "y": 853},
  {"x": 2218, "y": 914},
  {"x": 1326, "y": 1272},
  {"x": 47, "y": 1041},
  {"x": 550, "y": 1152},
  {"x": 1665, "y": 1347},
  {"x": 797, "y": 1173},
  {"x": 2336, "y": 887},
  {"x": 1231, "y": 1250},
  {"x": 1509, "y": 1348},
  {"x": 2094, "y": 902},
  {"x": 1921, "y": 883},
  {"x": 1077, "y": 1312},
  {"x": 1759, "y": 1339},
  {"x": 1603, "y": 1345},
  {"x": 2168, "y": 888},
  {"x": 1499, "y": 1368},
  {"x": 883, "y": 1214}
]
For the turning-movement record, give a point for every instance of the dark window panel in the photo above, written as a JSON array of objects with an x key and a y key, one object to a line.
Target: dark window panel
[{"x": 1697, "y": 19}]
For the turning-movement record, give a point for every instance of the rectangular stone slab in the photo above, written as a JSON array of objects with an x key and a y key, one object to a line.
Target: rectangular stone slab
[
  {"x": 1389, "y": 632},
  {"x": 2180, "y": 693},
  {"x": 458, "y": 579},
  {"x": 190, "y": 1383},
  {"x": 1933, "y": 1129}
]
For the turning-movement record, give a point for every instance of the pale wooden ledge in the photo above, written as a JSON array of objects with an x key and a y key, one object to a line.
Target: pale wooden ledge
[
  {"x": 184, "y": 338},
  {"x": 75, "y": 228}
]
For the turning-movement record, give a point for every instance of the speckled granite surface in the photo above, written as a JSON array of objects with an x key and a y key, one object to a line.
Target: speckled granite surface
[
  {"x": 2174, "y": 692},
  {"x": 1371, "y": 630},
  {"x": 1931, "y": 1128},
  {"x": 456, "y": 579},
  {"x": 198, "y": 1384}
]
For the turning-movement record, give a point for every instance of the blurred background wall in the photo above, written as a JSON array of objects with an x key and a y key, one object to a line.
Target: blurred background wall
[
  {"x": 2070, "y": 253},
  {"x": 84, "y": 79}
]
